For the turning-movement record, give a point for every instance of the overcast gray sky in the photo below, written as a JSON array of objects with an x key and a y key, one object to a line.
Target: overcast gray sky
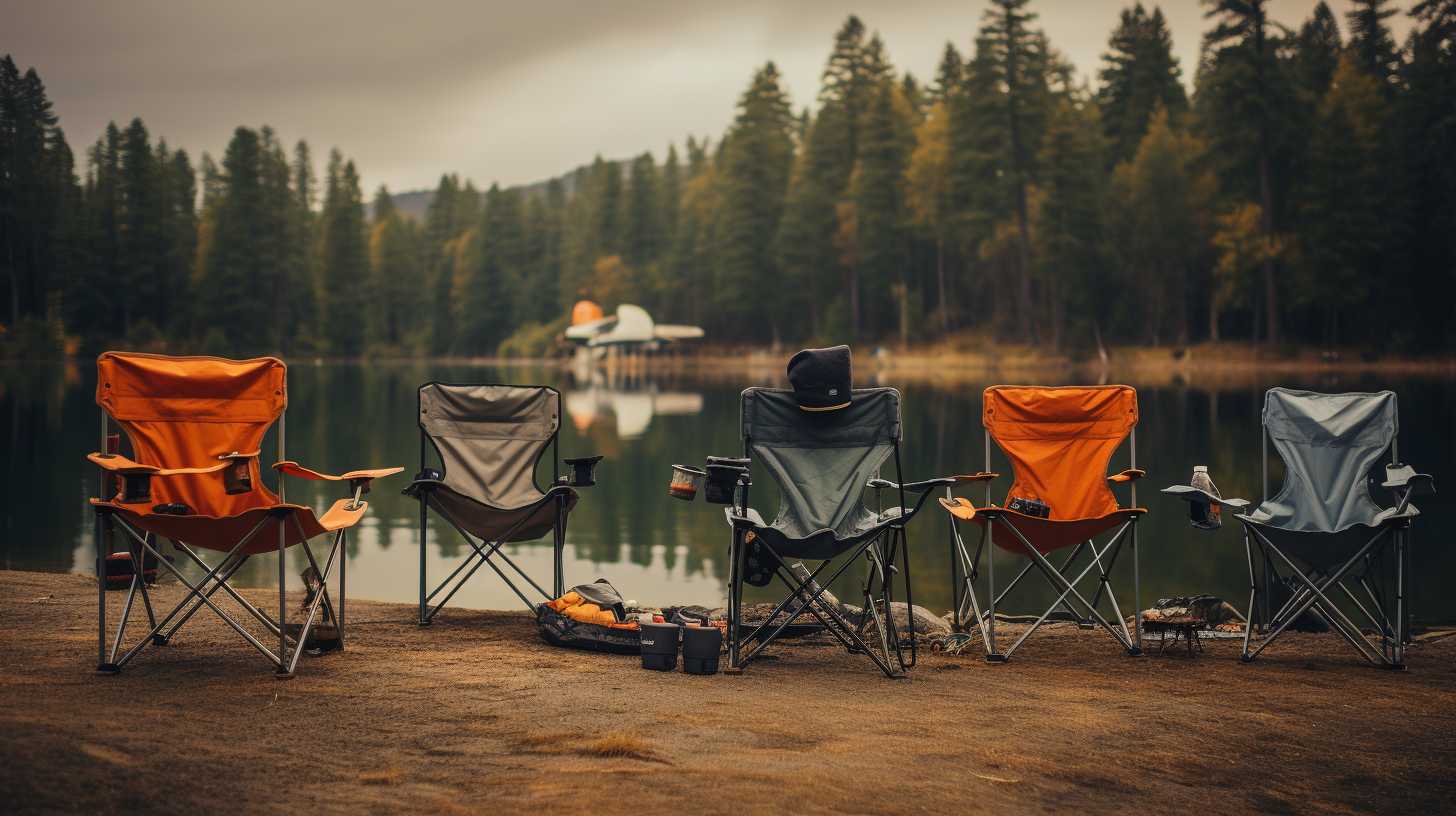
[{"x": 511, "y": 91}]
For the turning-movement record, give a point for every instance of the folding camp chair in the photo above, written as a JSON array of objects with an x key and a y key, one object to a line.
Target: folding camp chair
[
  {"x": 489, "y": 439},
  {"x": 822, "y": 462},
  {"x": 195, "y": 425},
  {"x": 1059, "y": 442},
  {"x": 1323, "y": 535}
]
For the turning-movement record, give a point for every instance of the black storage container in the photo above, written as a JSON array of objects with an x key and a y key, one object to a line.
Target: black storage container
[
  {"x": 659, "y": 646},
  {"x": 723, "y": 473},
  {"x": 701, "y": 647}
]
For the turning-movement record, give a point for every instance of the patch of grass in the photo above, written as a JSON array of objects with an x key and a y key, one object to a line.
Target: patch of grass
[
  {"x": 622, "y": 745},
  {"x": 388, "y": 776},
  {"x": 614, "y": 745}
]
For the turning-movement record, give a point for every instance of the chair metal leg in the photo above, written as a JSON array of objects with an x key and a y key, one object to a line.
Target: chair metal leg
[
  {"x": 424, "y": 528},
  {"x": 558, "y": 583},
  {"x": 343, "y": 572},
  {"x": 1137, "y": 596},
  {"x": 284, "y": 671},
  {"x": 99, "y": 530},
  {"x": 992, "y": 655}
]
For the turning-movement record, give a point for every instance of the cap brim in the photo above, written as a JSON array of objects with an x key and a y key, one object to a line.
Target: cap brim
[{"x": 844, "y": 404}]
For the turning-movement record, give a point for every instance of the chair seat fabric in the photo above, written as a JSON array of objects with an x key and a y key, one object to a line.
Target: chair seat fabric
[
  {"x": 1049, "y": 535},
  {"x": 489, "y": 523},
  {"x": 222, "y": 533},
  {"x": 821, "y": 544}
]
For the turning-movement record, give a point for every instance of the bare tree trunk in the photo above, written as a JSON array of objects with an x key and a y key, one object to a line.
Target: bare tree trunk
[{"x": 940, "y": 284}]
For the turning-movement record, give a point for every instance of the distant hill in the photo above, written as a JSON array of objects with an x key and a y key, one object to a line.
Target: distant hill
[{"x": 416, "y": 203}]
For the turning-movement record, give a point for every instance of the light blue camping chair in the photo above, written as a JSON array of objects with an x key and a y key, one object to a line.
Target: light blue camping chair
[{"x": 1323, "y": 537}]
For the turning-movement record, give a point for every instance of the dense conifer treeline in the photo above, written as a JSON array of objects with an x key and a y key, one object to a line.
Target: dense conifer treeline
[{"x": 1305, "y": 192}]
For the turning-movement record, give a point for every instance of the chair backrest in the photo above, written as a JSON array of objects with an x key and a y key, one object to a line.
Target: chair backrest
[
  {"x": 490, "y": 437},
  {"x": 182, "y": 412},
  {"x": 820, "y": 459},
  {"x": 1328, "y": 442},
  {"x": 1059, "y": 441}
]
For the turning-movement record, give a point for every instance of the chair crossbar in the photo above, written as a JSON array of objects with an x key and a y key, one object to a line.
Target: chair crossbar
[
  {"x": 481, "y": 554},
  {"x": 217, "y": 578},
  {"x": 803, "y": 591},
  {"x": 1313, "y": 594},
  {"x": 1083, "y": 611}
]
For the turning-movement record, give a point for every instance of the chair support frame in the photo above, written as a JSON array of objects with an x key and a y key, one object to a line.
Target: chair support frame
[
  {"x": 214, "y": 578},
  {"x": 965, "y": 570}
]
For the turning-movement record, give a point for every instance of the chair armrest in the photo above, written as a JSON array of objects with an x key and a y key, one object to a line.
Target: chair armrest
[
  {"x": 913, "y": 487},
  {"x": 290, "y": 468},
  {"x": 120, "y": 465},
  {"x": 982, "y": 476},
  {"x": 1406, "y": 483},
  {"x": 1129, "y": 475},
  {"x": 1405, "y": 476},
  {"x": 1194, "y": 495},
  {"x": 359, "y": 480},
  {"x": 116, "y": 463},
  {"x": 960, "y": 508}
]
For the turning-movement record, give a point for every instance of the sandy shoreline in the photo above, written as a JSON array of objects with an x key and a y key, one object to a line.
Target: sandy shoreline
[{"x": 477, "y": 714}]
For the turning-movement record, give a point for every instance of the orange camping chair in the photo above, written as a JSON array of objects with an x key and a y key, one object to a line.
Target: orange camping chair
[
  {"x": 195, "y": 425},
  {"x": 1059, "y": 442}
]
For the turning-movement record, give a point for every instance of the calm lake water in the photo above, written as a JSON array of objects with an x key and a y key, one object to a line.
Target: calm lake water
[{"x": 659, "y": 550}]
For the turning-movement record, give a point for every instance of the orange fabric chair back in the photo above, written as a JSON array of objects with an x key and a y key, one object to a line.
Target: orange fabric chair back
[
  {"x": 1059, "y": 441},
  {"x": 182, "y": 412}
]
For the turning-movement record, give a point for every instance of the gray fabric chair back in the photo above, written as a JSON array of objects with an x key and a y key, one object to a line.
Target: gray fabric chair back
[
  {"x": 820, "y": 459},
  {"x": 490, "y": 437},
  {"x": 1329, "y": 443}
]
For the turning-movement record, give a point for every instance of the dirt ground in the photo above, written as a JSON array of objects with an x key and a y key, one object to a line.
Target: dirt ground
[{"x": 476, "y": 714}]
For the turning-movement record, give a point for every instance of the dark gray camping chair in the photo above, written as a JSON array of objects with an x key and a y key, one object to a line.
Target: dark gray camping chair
[
  {"x": 1323, "y": 535},
  {"x": 823, "y": 461},
  {"x": 490, "y": 439}
]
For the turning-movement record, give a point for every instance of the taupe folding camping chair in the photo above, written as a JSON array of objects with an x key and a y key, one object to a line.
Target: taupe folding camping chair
[
  {"x": 1323, "y": 535},
  {"x": 195, "y": 425},
  {"x": 823, "y": 461},
  {"x": 490, "y": 439}
]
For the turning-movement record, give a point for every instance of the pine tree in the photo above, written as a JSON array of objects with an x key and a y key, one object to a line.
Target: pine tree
[
  {"x": 1427, "y": 131},
  {"x": 927, "y": 188},
  {"x": 1139, "y": 74},
  {"x": 1371, "y": 41},
  {"x": 1158, "y": 217},
  {"x": 1347, "y": 214},
  {"x": 234, "y": 310},
  {"x": 178, "y": 187},
  {"x": 949, "y": 74},
  {"x": 669, "y": 200},
  {"x": 641, "y": 224},
  {"x": 881, "y": 216},
  {"x": 1246, "y": 96},
  {"x": 274, "y": 233},
  {"x": 1014, "y": 53},
  {"x": 486, "y": 298},
  {"x": 1069, "y": 229},
  {"x": 301, "y": 273},
  {"x": 804, "y": 242},
  {"x": 1317, "y": 50},
  {"x": 759, "y": 153},
  {"x": 344, "y": 259},
  {"x": 33, "y": 161}
]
